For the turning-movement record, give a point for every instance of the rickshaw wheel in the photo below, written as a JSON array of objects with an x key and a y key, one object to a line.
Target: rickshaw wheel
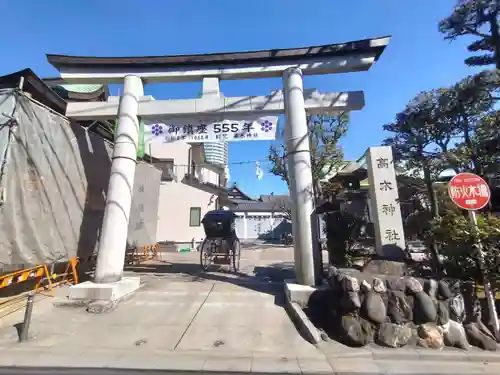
[
  {"x": 205, "y": 255},
  {"x": 236, "y": 255}
]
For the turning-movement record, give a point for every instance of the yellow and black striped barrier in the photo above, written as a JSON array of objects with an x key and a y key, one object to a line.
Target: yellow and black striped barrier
[
  {"x": 41, "y": 277},
  {"x": 37, "y": 273}
]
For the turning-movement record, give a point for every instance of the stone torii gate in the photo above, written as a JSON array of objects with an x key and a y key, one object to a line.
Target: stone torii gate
[{"x": 293, "y": 101}]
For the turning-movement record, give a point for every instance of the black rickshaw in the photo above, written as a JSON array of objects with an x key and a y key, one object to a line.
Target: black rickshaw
[{"x": 221, "y": 244}]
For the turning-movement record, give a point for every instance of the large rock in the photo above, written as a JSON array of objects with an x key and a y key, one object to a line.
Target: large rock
[
  {"x": 477, "y": 338},
  {"x": 352, "y": 332},
  {"x": 350, "y": 302},
  {"x": 396, "y": 284},
  {"x": 379, "y": 285},
  {"x": 321, "y": 307},
  {"x": 444, "y": 290},
  {"x": 457, "y": 308},
  {"x": 334, "y": 278},
  {"x": 413, "y": 285},
  {"x": 399, "y": 307},
  {"x": 485, "y": 330},
  {"x": 443, "y": 314},
  {"x": 374, "y": 308},
  {"x": 477, "y": 314},
  {"x": 424, "y": 309},
  {"x": 393, "y": 335},
  {"x": 332, "y": 272},
  {"x": 350, "y": 284},
  {"x": 414, "y": 335},
  {"x": 431, "y": 288},
  {"x": 367, "y": 328},
  {"x": 366, "y": 286},
  {"x": 455, "y": 287},
  {"x": 431, "y": 336},
  {"x": 454, "y": 335}
]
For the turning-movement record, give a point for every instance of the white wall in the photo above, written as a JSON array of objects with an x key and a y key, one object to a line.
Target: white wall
[
  {"x": 263, "y": 225},
  {"x": 176, "y": 198}
]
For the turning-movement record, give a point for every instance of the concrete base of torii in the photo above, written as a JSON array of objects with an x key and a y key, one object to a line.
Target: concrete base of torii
[{"x": 99, "y": 298}]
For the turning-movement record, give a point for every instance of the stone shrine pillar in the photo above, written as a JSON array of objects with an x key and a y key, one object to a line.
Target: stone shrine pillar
[
  {"x": 385, "y": 206},
  {"x": 113, "y": 239},
  {"x": 299, "y": 175}
]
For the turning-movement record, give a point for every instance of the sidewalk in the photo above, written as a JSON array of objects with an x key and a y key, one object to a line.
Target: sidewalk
[
  {"x": 179, "y": 308},
  {"x": 185, "y": 320},
  {"x": 355, "y": 362}
]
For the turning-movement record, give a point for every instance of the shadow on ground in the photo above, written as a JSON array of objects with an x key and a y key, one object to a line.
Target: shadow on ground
[
  {"x": 265, "y": 244},
  {"x": 264, "y": 279}
]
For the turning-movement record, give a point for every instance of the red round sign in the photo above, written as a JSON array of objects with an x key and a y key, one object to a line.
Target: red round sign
[{"x": 469, "y": 191}]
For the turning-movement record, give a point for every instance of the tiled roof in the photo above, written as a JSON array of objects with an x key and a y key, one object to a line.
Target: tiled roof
[
  {"x": 272, "y": 197},
  {"x": 78, "y": 92},
  {"x": 237, "y": 194},
  {"x": 82, "y": 88},
  {"x": 258, "y": 206},
  {"x": 266, "y": 203}
]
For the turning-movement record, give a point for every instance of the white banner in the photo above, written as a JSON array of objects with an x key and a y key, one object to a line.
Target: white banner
[{"x": 229, "y": 129}]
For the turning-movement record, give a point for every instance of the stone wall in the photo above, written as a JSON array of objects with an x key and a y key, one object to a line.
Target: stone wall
[{"x": 360, "y": 309}]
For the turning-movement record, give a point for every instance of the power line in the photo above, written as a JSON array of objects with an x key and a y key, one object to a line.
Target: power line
[
  {"x": 260, "y": 161},
  {"x": 250, "y": 162}
]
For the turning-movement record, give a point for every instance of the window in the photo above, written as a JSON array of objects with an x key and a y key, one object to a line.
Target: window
[
  {"x": 195, "y": 216},
  {"x": 167, "y": 170}
]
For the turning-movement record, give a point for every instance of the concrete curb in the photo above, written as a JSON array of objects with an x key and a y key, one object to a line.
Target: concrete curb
[
  {"x": 302, "y": 322},
  {"x": 295, "y": 297},
  {"x": 414, "y": 354},
  {"x": 358, "y": 362},
  {"x": 342, "y": 367}
]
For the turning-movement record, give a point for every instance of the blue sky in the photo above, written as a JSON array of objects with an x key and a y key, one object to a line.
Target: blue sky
[{"x": 417, "y": 58}]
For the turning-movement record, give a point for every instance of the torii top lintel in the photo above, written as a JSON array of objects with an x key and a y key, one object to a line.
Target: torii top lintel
[{"x": 333, "y": 58}]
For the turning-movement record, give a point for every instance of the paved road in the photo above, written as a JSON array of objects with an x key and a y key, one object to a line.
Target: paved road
[
  {"x": 178, "y": 311},
  {"x": 181, "y": 308},
  {"x": 76, "y": 371},
  {"x": 72, "y": 371},
  {"x": 190, "y": 320},
  {"x": 105, "y": 371}
]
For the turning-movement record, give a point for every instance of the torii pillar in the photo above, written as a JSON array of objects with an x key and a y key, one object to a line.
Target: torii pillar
[
  {"x": 109, "y": 285},
  {"x": 300, "y": 175},
  {"x": 113, "y": 239}
]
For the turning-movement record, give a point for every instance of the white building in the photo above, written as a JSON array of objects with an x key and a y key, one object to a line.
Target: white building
[
  {"x": 264, "y": 218},
  {"x": 190, "y": 187}
]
